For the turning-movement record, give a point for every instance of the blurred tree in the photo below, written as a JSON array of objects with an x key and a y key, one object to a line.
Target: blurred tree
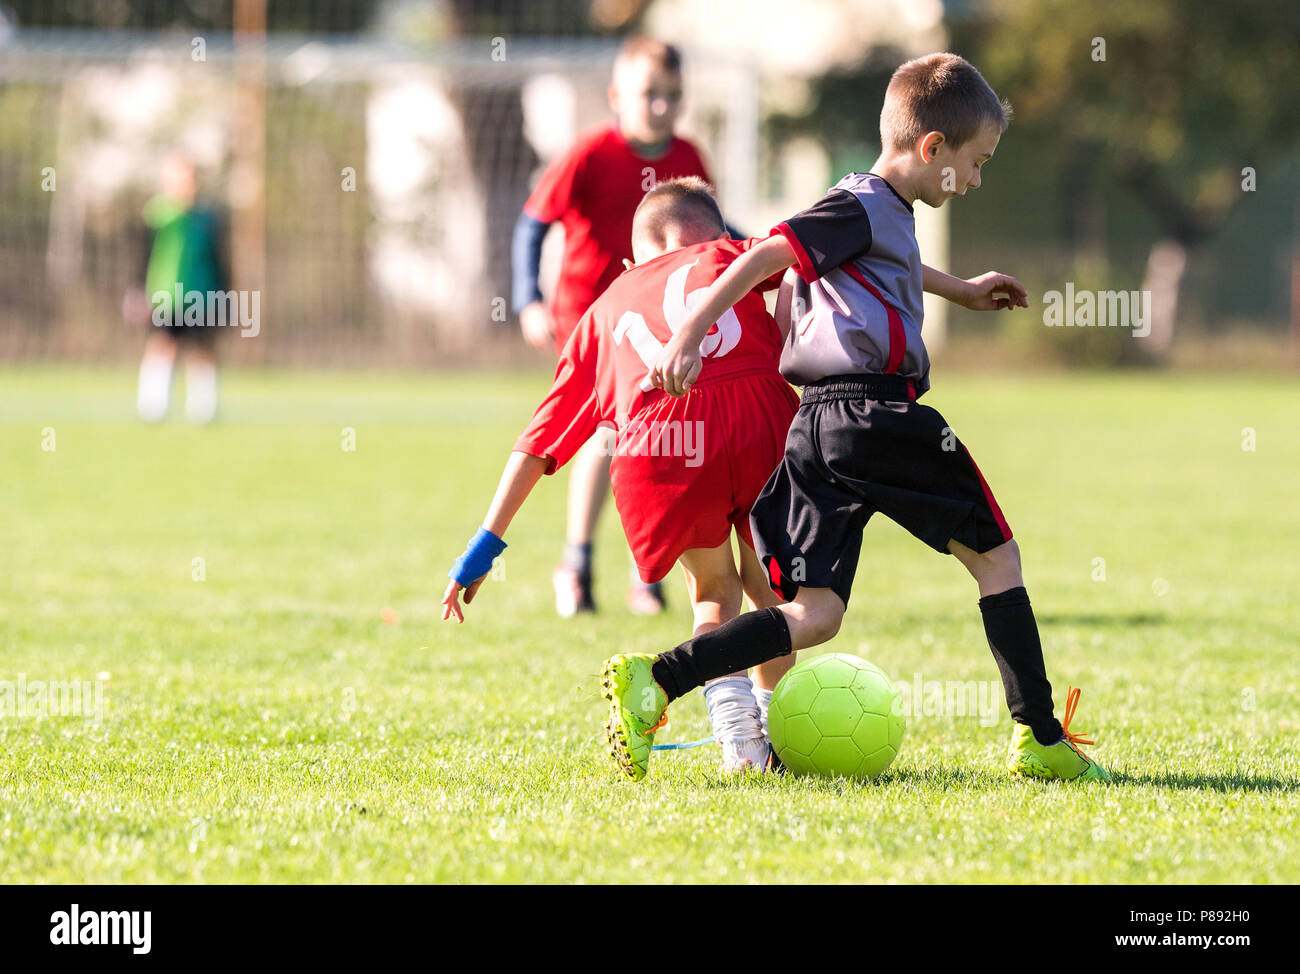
[
  {"x": 1183, "y": 101},
  {"x": 843, "y": 110},
  {"x": 307, "y": 16}
]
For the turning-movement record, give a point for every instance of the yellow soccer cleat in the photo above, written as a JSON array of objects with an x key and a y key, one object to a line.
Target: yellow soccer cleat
[
  {"x": 638, "y": 707},
  {"x": 1062, "y": 761}
]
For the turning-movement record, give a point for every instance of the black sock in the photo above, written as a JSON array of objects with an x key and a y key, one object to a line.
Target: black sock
[
  {"x": 578, "y": 557},
  {"x": 754, "y": 638},
  {"x": 1013, "y": 637}
]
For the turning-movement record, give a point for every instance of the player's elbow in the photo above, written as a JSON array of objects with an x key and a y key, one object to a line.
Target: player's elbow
[{"x": 775, "y": 254}]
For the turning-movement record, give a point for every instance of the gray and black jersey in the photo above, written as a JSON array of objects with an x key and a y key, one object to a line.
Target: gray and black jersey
[{"x": 861, "y": 280}]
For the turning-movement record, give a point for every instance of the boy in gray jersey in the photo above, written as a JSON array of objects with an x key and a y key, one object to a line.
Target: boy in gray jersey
[{"x": 860, "y": 442}]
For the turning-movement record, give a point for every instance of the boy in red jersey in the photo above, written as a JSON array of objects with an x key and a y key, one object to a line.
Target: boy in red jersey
[
  {"x": 592, "y": 190},
  {"x": 685, "y": 471}
]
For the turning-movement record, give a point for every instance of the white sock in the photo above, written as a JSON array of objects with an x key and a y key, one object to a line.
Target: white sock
[
  {"x": 154, "y": 389},
  {"x": 745, "y": 755},
  {"x": 764, "y": 700},
  {"x": 733, "y": 712},
  {"x": 200, "y": 391}
]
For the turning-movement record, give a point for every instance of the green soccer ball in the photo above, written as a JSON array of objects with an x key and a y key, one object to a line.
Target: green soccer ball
[{"x": 836, "y": 715}]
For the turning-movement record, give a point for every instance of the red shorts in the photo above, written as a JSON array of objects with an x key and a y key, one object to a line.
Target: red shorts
[{"x": 686, "y": 471}]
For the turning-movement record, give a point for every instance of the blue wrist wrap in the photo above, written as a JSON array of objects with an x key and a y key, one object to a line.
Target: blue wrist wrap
[{"x": 477, "y": 559}]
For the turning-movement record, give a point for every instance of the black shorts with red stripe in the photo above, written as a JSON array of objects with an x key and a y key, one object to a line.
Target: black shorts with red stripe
[{"x": 861, "y": 444}]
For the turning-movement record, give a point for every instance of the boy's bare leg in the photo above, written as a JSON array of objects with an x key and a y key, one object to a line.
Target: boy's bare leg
[
  {"x": 814, "y": 617},
  {"x": 713, "y": 585},
  {"x": 749, "y": 640},
  {"x": 996, "y": 570},
  {"x": 715, "y": 590},
  {"x": 588, "y": 491},
  {"x": 588, "y": 488},
  {"x": 1013, "y": 636}
]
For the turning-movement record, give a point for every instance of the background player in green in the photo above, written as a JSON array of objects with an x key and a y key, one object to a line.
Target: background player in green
[
  {"x": 185, "y": 249},
  {"x": 592, "y": 190},
  {"x": 861, "y": 443}
]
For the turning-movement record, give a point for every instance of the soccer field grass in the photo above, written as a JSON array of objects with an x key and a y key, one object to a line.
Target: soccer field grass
[{"x": 264, "y": 724}]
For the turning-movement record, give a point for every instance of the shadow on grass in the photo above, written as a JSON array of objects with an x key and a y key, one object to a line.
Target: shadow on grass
[
  {"x": 1209, "y": 782},
  {"x": 1098, "y": 620},
  {"x": 913, "y": 623},
  {"x": 969, "y": 778},
  {"x": 955, "y": 777},
  {"x": 930, "y": 779}
]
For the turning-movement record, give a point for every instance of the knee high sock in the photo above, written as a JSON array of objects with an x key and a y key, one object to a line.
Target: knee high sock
[
  {"x": 200, "y": 392},
  {"x": 733, "y": 711},
  {"x": 578, "y": 557},
  {"x": 1013, "y": 638},
  {"x": 154, "y": 390},
  {"x": 764, "y": 700},
  {"x": 753, "y": 638}
]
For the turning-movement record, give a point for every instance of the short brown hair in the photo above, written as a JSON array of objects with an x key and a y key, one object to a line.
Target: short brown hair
[
  {"x": 640, "y": 46},
  {"x": 939, "y": 93},
  {"x": 685, "y": 205}
]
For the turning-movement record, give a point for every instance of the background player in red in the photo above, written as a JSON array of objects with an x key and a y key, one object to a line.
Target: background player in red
[
  {"x": 592, "y": 191},
  {"x": 685, "y": 471}
]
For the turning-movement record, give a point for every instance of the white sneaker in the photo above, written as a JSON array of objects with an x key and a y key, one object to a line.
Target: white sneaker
[
  {"x": 155, "y": 387},
  {"x": 572, "y": 594},
  {"x": 200, "y": 392}
]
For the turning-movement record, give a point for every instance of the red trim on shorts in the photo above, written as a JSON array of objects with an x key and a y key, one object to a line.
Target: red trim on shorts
[
  {"x": 774, "y": 575},
  {"x": 988, "y": 496},
  {"x": 897, "y": 334}
]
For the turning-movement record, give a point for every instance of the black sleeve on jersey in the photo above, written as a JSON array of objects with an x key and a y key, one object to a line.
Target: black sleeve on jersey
[{"x": 829, "y": 233}]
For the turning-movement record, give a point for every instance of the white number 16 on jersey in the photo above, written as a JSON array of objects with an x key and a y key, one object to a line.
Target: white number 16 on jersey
[{"x": 677, "y": 304}]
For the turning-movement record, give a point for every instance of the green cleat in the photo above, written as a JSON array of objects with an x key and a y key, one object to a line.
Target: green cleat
[
  {"x": 638, "y": 707},
  {"x": 1062, "y": 761}
]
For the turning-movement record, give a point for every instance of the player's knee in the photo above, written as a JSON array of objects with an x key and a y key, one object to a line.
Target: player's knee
[
  {"x": 1010, "y": 552},
  {"x": 1006, "y": 559},
  {"x": 816, "y": 616},
  {"x": 999, "y": 567},
  {"x": 827, "y": 625}
]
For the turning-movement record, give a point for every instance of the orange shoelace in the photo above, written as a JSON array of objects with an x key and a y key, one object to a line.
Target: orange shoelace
[{"x": 1071, "y": 704}]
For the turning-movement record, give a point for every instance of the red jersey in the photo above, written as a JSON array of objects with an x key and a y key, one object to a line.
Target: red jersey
[
  {"x": 598, "y": 380},
  {"x": 593, "y": 191}
]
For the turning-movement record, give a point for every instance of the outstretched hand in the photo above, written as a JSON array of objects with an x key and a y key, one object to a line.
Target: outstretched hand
[
  {"x": 451, "y": 599},
  {"x": 995, "y": 292},
  {"x": 538, "y": 326}
]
